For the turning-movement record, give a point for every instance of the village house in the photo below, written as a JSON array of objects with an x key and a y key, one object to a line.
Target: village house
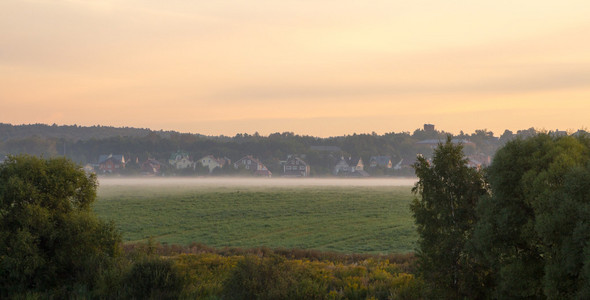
[
  {"x": 150, "y": 167},
  {"x": 253, "y": 165},
  {"x": 295, "y": 167},
  {"x": 212, "y": 162},
  {"x": 350, "y": 168},
  {"x": 341, "y": 167},
  {"x": 181, "y": 160},
  {"x": 356, "y": 164},
  {"x": 111, "y": 163},
  {"x": 380, "y": 161}
]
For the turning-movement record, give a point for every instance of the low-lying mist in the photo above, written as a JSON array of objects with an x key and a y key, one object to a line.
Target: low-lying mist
[{"x": 253, "y": 182}]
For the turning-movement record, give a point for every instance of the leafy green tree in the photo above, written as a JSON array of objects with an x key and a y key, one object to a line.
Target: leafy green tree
[
  {"x": 49, "y": 238},
  {"x": 534, "y": 230},
  {"x": 444, "y": 213}
]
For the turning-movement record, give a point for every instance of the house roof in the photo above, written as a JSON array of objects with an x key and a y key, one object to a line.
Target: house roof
[
  {"x": 295, "y": 158},
  {"x": 117, "y": 158},
  {"x": 178, "y": 153}
]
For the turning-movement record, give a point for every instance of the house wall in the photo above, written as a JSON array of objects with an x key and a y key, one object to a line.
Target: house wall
[
  {"x": 210, "y": 162},
  {"x": 296, "y": 167},
  {"x": 250, "y": 163},
  {"x": 341, "y": 166},
  {"x": 110, "y": 166},
  {"x": 183, "y": 163}
]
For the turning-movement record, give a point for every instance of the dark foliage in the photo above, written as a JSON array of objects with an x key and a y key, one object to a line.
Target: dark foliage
[
  {"x": 49, "y": 238},
  {"x": 153, "y": 278},
  {"x": 534, "y": 233},
  {"x": 404, "y": 260},
  {"x": 444, "y": 212},
  {"x": 273, "y": 278}
]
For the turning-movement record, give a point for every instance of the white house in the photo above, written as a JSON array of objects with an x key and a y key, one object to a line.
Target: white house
[
  {"x": 180, "y": 160},
  {"x": 212, "y": 162}
]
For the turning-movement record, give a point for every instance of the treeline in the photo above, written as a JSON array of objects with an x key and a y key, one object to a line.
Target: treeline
[
  {"x": 85, "y": 144},
  {"x": 519, "y": 229},
  {"x": 68, "y": 132}
]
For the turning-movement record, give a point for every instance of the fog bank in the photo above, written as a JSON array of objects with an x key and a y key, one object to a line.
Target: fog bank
[{"x": 253, "y": 182}]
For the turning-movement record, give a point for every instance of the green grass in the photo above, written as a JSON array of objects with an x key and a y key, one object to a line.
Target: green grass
[{"x": 343, "y": 219}]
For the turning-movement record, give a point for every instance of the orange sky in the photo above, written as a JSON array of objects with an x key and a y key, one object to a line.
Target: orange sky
[{"x": 321, "y": 67}]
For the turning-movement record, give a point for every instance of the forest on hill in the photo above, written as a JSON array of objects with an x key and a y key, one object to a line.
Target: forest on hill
[{"x": 84, "y": 145}]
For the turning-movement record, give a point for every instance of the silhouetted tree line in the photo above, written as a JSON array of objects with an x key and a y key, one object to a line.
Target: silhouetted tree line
[{"x": 86, "y": 144}]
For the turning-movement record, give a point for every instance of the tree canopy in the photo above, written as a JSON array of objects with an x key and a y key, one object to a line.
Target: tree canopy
[
  {"x": 444, "y": 212},
  {"x": 49, "y": 237},
  {"x": 534, "y": 231},
  {"x": 526, "y": 237}
]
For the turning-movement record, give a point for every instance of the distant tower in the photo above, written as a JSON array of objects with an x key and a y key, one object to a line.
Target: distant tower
[{"x": 428, "y": 127}]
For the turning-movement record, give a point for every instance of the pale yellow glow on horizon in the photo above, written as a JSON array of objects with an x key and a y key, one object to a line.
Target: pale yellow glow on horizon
[{"x": 321, "y": 68}]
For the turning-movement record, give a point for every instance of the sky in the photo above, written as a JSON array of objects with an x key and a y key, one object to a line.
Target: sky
[{"x": 321, "y": 68}]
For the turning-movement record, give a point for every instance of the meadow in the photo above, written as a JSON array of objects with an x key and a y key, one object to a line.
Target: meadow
[{"x": 346, "y": 218}]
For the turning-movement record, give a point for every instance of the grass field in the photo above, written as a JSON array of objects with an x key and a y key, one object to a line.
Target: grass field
[{"x": 344, "y": 219}]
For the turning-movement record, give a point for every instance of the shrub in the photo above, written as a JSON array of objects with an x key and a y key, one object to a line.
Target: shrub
[
  {"x": 272, "y": 278},
  {"x": 154, "y": 278}
]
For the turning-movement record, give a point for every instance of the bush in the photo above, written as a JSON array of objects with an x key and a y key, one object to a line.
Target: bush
[
  {"x": 154, "y": 278},
  {"x": 272, "y": 278}
]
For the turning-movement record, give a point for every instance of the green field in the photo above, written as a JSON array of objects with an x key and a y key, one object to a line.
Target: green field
[{"x": 343, "y": 219}]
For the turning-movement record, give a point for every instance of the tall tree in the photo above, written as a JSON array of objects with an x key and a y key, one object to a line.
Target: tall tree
[
  {"x": 444, "y": 211},
  {"x": 49, "y": 238},
  {"x": 534, "y": 231}
]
